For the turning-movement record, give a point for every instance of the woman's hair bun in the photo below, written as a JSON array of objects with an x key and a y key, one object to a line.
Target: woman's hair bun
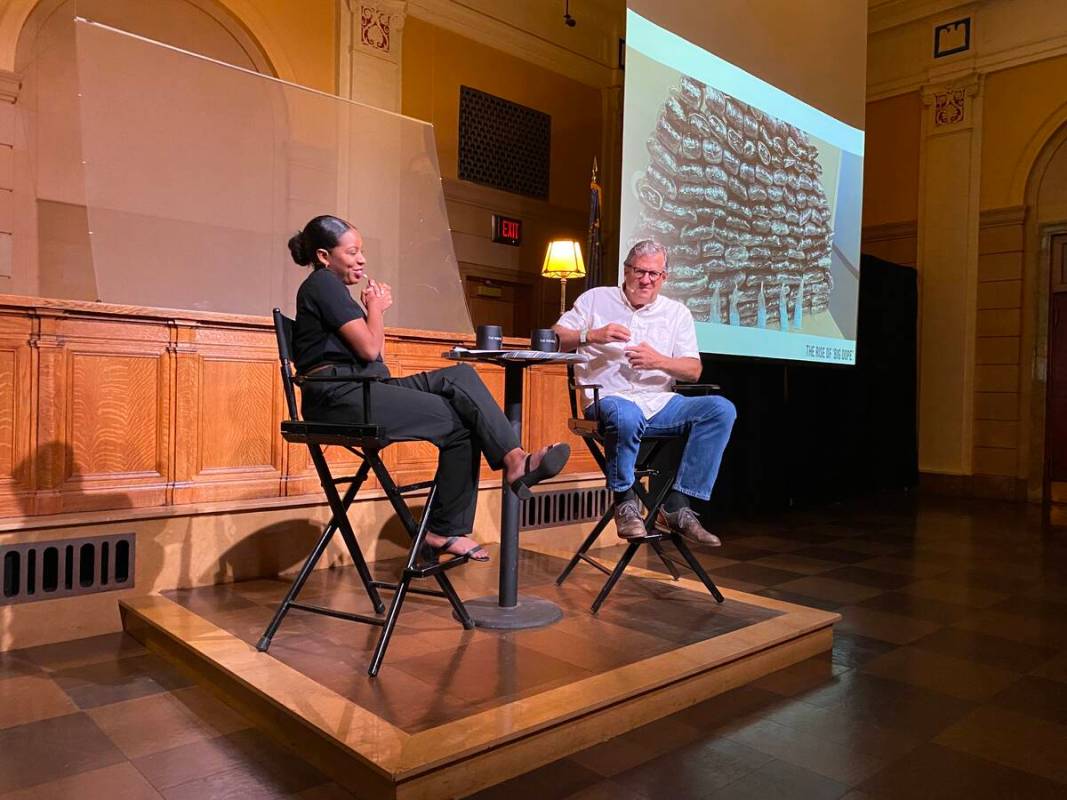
[
  {"x": 298, "y": 250},
  {"x": 321, "y": 233}
]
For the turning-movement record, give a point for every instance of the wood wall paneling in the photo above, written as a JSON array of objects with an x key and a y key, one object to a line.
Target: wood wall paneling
[
  {"x": 16, "y": 413},
  {"x": 546, "y": 413},
  {"x": 107, "y": 439},
  {"x": 110, "y": 407}
]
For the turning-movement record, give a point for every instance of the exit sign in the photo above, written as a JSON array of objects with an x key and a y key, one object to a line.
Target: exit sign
[{"x": 507, "y": 230}]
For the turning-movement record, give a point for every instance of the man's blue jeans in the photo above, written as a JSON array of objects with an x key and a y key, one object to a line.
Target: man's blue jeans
[{"x": 706, "y": 421}]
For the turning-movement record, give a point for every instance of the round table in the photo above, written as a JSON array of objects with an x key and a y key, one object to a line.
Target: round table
[{"x": 508, "y": 610}]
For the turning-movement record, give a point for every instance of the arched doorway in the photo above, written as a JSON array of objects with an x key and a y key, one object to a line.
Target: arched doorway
[{"x": 1046, "y": 202}]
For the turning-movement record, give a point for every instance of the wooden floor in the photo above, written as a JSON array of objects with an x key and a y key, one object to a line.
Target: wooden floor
[
  {"x": 453, "y": 711},
  {"x": 947, "y": 679},
  {"x": 435, "y": 672}
]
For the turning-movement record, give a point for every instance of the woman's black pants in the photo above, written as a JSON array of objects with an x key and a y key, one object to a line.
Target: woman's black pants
[{"x": 450, "y": 408}]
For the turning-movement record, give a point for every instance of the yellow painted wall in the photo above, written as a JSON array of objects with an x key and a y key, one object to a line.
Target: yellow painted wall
[
  {"x": 891, "y": 160},
  {"x": 437, "y": 63},
  {"x": 1021, "y": 108},
  {"x": 302, "y": 35}
]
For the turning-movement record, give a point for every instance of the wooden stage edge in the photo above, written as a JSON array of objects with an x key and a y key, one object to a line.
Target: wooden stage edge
[{"x": 376, "y": 759}]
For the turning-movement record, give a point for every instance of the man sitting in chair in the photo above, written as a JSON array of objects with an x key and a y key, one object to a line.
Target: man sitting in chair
[{"x": 639, "y": 344}]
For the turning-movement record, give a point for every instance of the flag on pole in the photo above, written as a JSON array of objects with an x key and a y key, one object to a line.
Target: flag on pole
[{"x": 593, "y": 246}]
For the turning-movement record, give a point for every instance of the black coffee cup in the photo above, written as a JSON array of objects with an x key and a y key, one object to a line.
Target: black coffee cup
[
  {"x": 489, "y": 337},
  {"x": 545, "y": 340}
]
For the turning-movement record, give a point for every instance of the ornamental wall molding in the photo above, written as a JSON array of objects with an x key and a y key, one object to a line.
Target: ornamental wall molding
[
  {"x": 375, "y": 27},
  {"x": 950, "y": 105},
  {"x": 885, "y": 14},
  {"x": 907, "y": 28}
]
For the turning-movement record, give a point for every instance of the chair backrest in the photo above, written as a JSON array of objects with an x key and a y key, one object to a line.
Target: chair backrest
[
  {"x": 283, "y": 332},
  {"x": 571, "y": 391}
]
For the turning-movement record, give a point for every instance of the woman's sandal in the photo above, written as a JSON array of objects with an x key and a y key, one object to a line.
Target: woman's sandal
[
  {"x": 476, "y": 553},
  {"x": 552, "y": 463}
]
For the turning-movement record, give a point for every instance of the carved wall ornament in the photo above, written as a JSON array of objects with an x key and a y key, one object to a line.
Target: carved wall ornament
[
  {"x": 375, "y": 28},
  {"x": 950, "y": 107}
]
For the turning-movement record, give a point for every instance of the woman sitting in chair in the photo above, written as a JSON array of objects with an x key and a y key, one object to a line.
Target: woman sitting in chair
[{"x": 451, "y": 407}]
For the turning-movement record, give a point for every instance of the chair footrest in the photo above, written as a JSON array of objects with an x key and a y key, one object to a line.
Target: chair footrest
[
  {"x": 594, "y": 563},
  {"x": 392, "y": 587},
  {"x": 429, "y": 570},
  {"x": 414, "y": 487},
  {"x": 332, "y": 612}
]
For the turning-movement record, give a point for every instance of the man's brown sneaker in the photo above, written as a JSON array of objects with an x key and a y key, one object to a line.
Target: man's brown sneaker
[
  {"x": 685, "y": 522},
  {"x": 628, "y": 520}
]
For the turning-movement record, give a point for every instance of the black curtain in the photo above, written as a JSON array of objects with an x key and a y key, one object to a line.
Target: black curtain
[{"x": 810, "y": 433}]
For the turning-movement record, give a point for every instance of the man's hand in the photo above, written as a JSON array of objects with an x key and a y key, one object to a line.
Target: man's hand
[
  {"x": 378, "y": 296},
  {"x": 612, "y": 332},
  {"x": 644, "y": 356}
]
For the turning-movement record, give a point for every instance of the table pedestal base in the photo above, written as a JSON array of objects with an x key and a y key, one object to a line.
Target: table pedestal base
[{"x": 531, "y": 612}]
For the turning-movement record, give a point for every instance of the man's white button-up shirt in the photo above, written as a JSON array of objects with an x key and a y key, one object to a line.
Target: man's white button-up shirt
[{"x": 664, "y": 324}]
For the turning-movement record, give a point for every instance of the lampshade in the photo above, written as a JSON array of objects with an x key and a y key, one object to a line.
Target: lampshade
[{"x": 563, "y": 260}]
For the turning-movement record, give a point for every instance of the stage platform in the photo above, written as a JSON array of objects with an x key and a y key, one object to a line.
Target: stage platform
[{"x": 455, "y": 711}]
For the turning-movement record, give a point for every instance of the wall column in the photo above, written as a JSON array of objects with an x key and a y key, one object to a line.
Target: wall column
[
  {"x": 9, "y": 92},
  {"x": 371, "y": 35},
  {"x": 949, "y": 182}
]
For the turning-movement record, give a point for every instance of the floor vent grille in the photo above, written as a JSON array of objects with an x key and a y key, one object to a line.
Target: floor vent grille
[
  {"x": 47, "y": 570},
  {"x": 548, "y": 509}
]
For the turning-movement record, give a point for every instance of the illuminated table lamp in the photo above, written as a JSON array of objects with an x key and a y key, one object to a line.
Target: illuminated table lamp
[{"x": 563, "y": 260}]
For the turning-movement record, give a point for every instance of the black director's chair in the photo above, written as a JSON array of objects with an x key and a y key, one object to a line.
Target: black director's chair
[
  {"x": 652, "y": 446},
  {"x": 366, "y": 440}
]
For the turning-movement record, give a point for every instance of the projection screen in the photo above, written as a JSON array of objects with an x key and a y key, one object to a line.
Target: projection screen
[{"x": 755, "y": 193}]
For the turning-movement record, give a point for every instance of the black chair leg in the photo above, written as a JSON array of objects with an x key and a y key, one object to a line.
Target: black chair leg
[
  {"x": 417, "y": 531},
  {"x": 453, "y": 598},
  {"x": 295, "y": 587},
  {"x": 581, "y": 551},
  {"x": 620, "y": 568},
  {"x": 418, "y": 536},
  {"x": 309, "y": 565},
  {"x": 390, "y": 624},
  {"x": 675, "y": 574},
  {"x": 694, "y": 565},
  {"x": 340, "y": 516}
]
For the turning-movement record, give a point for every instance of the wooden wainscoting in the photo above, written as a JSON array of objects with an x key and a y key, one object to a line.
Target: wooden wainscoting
[{"x": 107, "y": 407}]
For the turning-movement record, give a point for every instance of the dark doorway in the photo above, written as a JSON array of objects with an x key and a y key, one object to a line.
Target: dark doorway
[
  {"x": 496, "y": 301},
  {"x": 1056, "y": 414}
]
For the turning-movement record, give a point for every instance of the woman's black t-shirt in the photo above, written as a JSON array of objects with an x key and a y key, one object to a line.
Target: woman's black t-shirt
[{"x": 323, "y": 305}]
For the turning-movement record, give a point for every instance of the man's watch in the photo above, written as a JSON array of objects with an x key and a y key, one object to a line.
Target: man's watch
[{"x": 583, "y": 336}]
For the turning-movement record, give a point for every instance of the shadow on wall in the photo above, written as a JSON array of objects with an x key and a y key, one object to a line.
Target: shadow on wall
[
  {"x": 279, "y": 550},
  {"x": 51, "y": 470},
  {"x": 275, "y": 550}
]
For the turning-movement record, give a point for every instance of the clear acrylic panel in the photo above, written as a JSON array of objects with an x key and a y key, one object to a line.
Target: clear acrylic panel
[{"x": 197, "y": 173}]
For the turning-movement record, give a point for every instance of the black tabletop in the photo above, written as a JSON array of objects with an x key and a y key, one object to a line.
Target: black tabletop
[{"x": 525, "y": 357}]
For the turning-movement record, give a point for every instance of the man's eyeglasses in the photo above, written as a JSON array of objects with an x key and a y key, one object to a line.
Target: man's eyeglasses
[{"x": 652, "y": 274}]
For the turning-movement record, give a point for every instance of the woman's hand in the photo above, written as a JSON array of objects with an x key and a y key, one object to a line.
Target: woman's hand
[{"x": 377, "y": 296}]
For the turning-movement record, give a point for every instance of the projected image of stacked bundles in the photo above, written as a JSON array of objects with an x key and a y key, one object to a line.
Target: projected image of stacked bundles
[{"x": 735, "y": 194}]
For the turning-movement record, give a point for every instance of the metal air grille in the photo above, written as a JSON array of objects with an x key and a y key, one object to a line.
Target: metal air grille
[
  {"x": 46, "y": 570},
  {"x": 548, "y": 509},
  {"x": 503, "y": 144}
]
